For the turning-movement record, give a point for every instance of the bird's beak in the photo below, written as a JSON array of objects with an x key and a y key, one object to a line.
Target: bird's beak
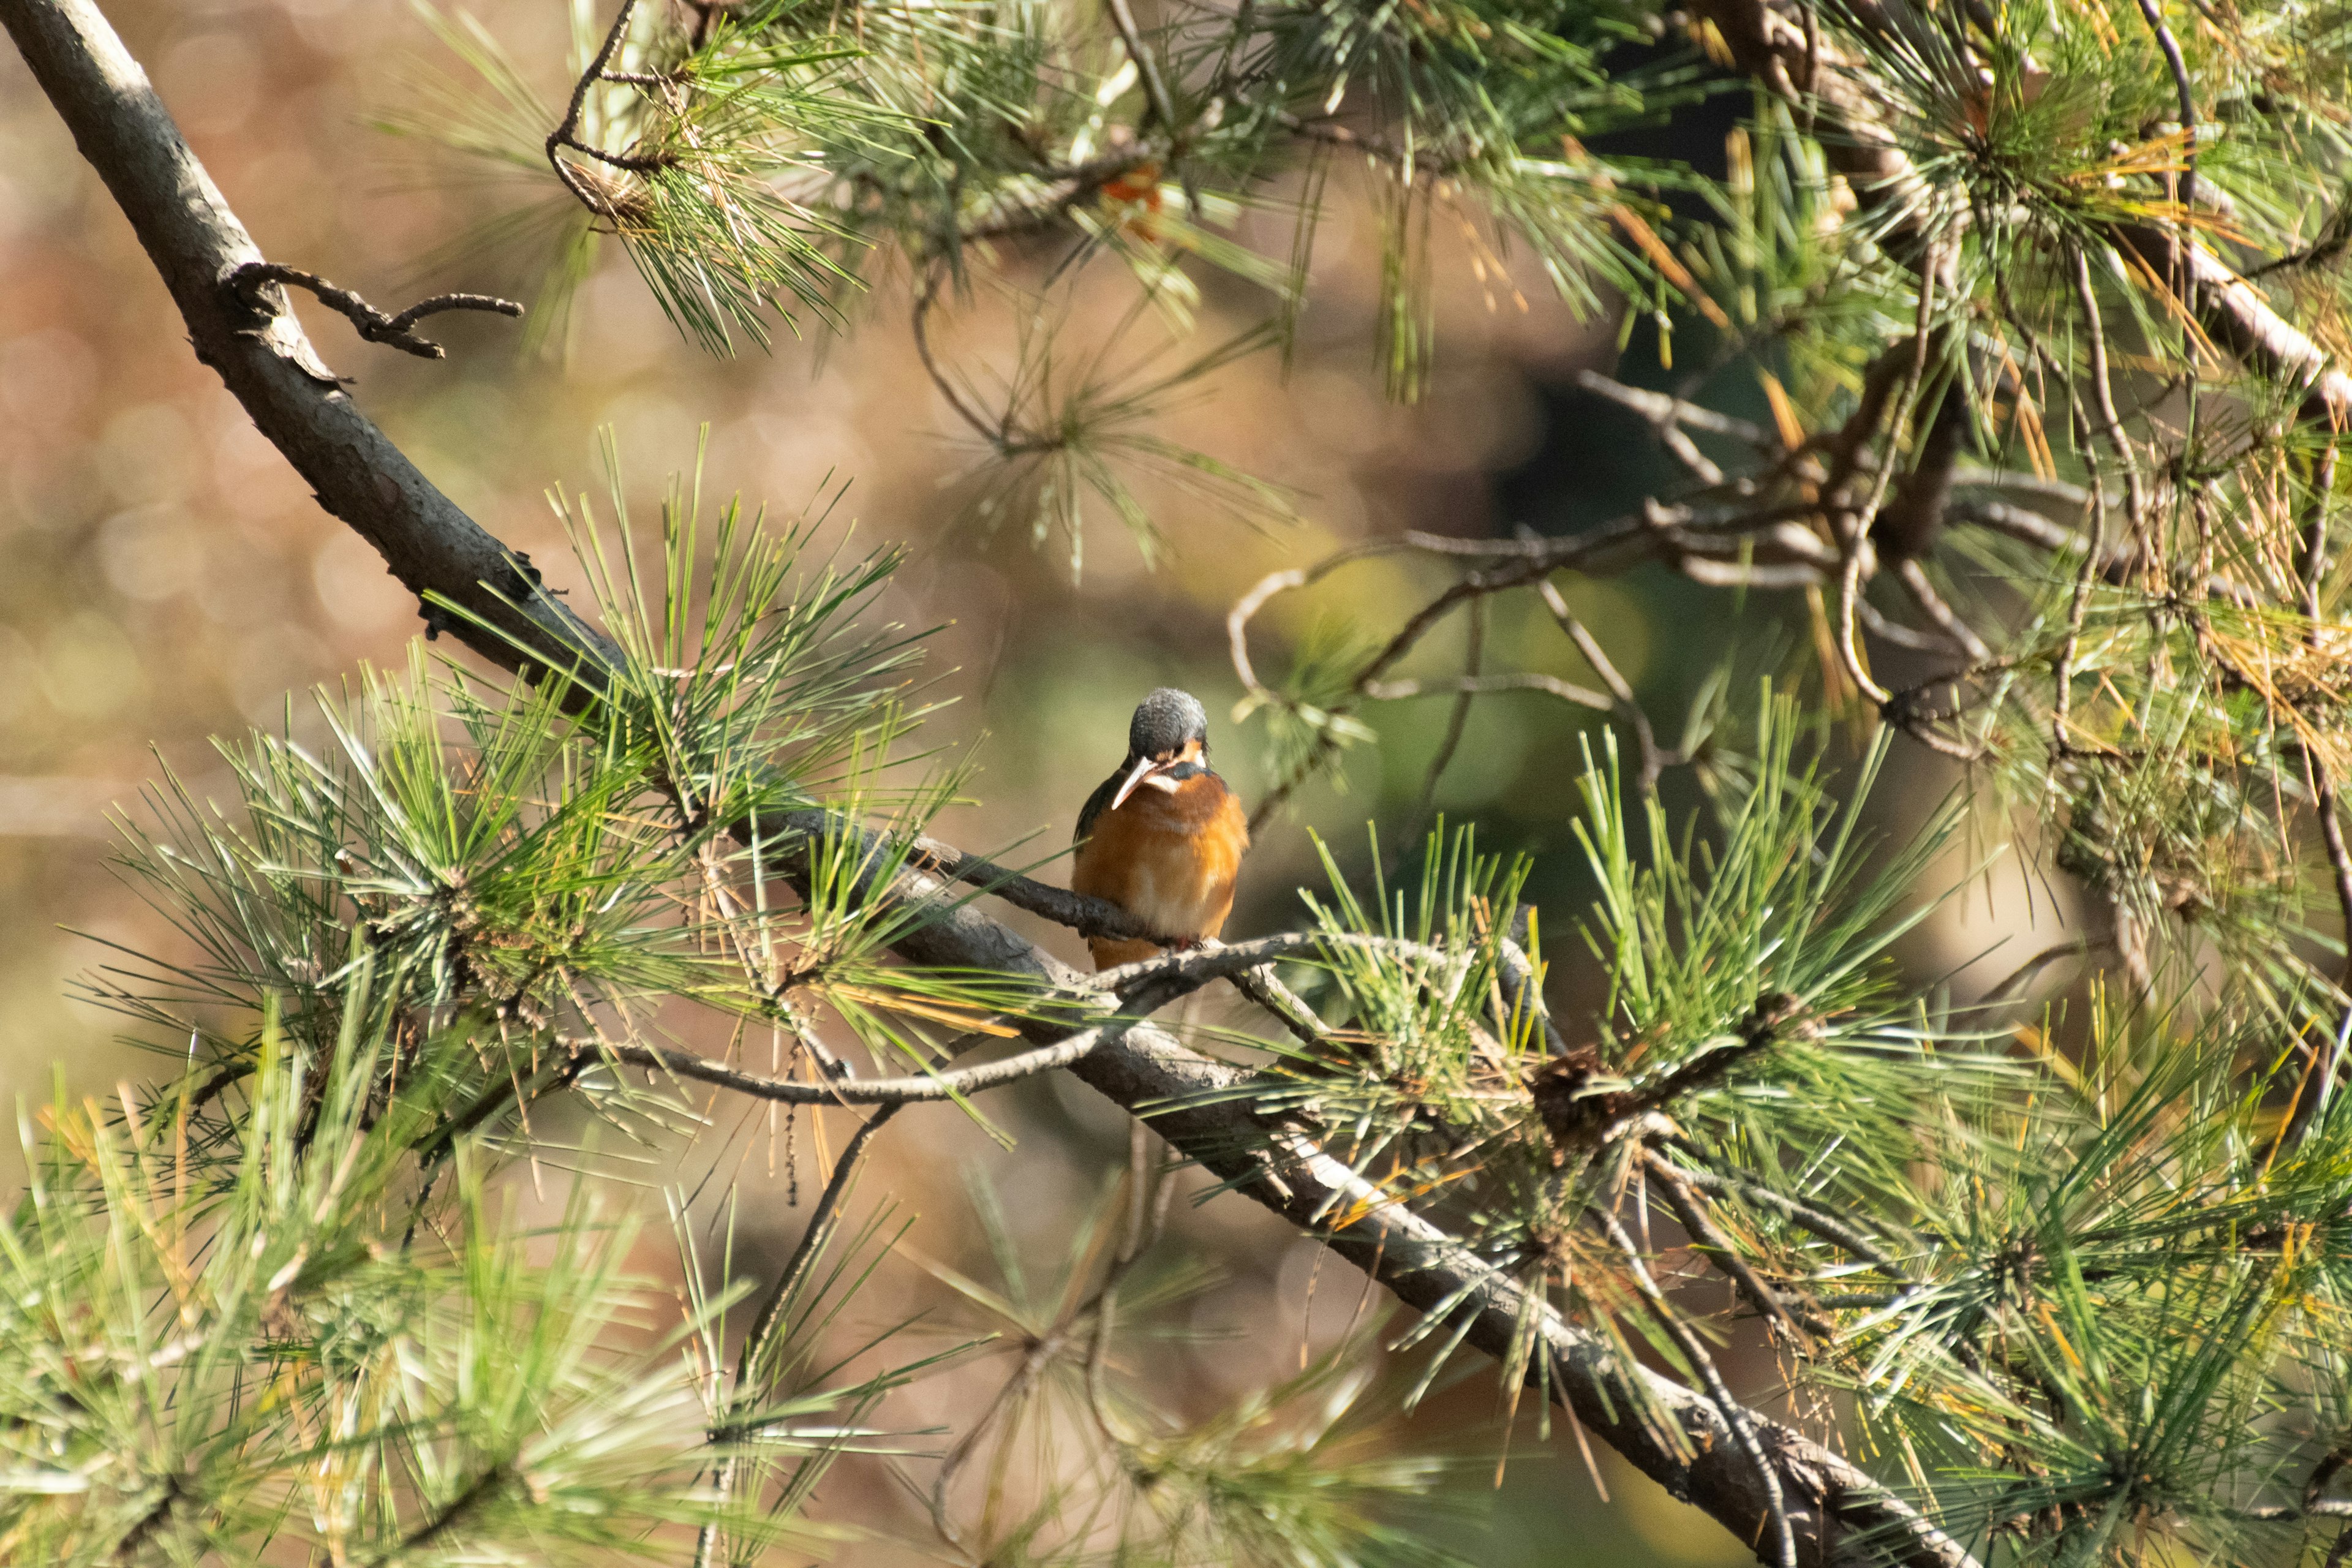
[{"x": 1144, "y": 768}]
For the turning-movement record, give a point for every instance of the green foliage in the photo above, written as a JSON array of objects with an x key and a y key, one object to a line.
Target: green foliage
[
  {"x": 293, "y": 1293},
  {"x": 2073, "y": 1272},
  {"x": 764, "y": 160},
  {"x": 290, "y": 1338}
]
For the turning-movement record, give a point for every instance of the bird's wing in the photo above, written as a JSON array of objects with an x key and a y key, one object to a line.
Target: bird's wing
[{"x": 1097, "y": 804}]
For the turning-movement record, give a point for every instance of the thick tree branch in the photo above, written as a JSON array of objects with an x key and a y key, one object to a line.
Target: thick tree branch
[
  {"x": 264, "y": 358},
  {"x": 1836, "y": 1511}
]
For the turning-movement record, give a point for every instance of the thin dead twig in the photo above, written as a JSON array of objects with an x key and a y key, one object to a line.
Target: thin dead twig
[
  {"x": 1932, "y": 605},
  {"x": 393, "y": 331},
  {"x": 1485, "y": 685},
  {"x": 566, "y": 133},
  {"x": 1155, "y": 86},
  {"x": 1149, "y": 1194},
  {"x": 1710, "y": 1239},
  {"x": 2103, "y": 395},
  {"x": 998, "y": 436},
  {"x": 1736, "y": 1415}
]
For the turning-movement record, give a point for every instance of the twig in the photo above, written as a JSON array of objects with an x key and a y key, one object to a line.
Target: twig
[
  {"x": 2327, "y": 1507},
  {"x": 2314, "y": 565},
  {"x": 247, "y": 281},
  {"x": 1854, "y": 536},
  {"x": 824, "y": 1221},
  {"x": 1155, "y": 89},
  {"x": 1477, "y": 684},
  {"x": 1718, "y": 1247},
  {"x": 1914, "y": 578},
  {"x": 1465, "y": 693},
  {"x": 1826, "y": 1225},
  {"x": 1662, "y": 411},
  {"x": 2154, "y": 15},
  {"x": 1041, "y": 1353},
  {"x": 2320, "y": 1081},
  {"x": 2103, "y": 393},
  {"x": 1290, "y": 1009},
  {"x": 1629, "y": 709},
  {"x": 1083, "y": 913},
  {"x": 952, "y": 1084},
  {"x": 567, "y": 130},
  {"x": 998, "y": 436},
  {"x": 2026, "y": 973},
  {"x": 453, "y": 1513},
  {"x": 1886, "y": 628},
  {"x": 1148, "y": 1202},
  {"x": 1150, "y": 983},
  {"x": 1144, "y": 987},
  {"x": 1737, "y": 1416}
]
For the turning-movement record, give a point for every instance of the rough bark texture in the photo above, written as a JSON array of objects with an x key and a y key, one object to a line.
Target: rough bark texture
[{"x": 1839, "y": 1513}]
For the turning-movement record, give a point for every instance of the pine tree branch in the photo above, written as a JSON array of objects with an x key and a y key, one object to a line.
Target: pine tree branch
[
  {"x": 264, "y": 358},
  {"x": 1837, "y": 1512},
  {"x": 1773, "y": 48}
]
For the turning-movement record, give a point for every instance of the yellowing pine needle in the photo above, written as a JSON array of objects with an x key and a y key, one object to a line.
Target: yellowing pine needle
[
  {"x": 1646, "y": 239},
  {"x": 914, "y": 1007},
  {"x": 1784, "y": 410}
]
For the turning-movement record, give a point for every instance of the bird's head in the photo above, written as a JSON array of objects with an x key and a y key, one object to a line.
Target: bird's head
[{"x": 1169, "y": 731}]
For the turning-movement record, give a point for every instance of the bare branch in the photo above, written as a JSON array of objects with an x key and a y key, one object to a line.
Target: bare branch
[
  {"x": 1155, "y": 87},
  {"x": 823, "y": 1221},
  {"x": 1914, "y": 578},
  {"x": 1662, "y": 410},
  {"x": 1738, "y": 1417},
  {"x": 884, "y": 1091},
  {"x": 1826, "y": 1225},
  {"x": 566, "y": 133},
  {"x": 2165, "y": 41},
  {"x": 1708, "y": 1238},
  {"x": 248, "y": 280},
  {"x": 1472, "y": 685},
  {"x": 2102, "y": 398}
]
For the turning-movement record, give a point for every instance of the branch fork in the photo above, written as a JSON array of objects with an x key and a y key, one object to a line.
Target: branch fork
[{"x": 250, "y": 284}]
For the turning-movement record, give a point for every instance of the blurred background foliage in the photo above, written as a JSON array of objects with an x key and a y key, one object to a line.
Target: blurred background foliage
[{"x": 167, "y": 579}]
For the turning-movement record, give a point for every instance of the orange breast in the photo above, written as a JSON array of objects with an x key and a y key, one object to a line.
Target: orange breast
[{"x": 1166, "y": 858}]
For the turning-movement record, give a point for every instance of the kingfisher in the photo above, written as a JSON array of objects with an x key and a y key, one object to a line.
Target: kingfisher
[{"x": 1162, "y": 837}]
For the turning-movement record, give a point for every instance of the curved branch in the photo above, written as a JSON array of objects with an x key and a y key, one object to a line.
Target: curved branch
[{"x": 264, "y": 358}]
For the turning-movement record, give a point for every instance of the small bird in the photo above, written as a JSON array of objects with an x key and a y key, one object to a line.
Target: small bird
[{"x": 1162, "y": 837}]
